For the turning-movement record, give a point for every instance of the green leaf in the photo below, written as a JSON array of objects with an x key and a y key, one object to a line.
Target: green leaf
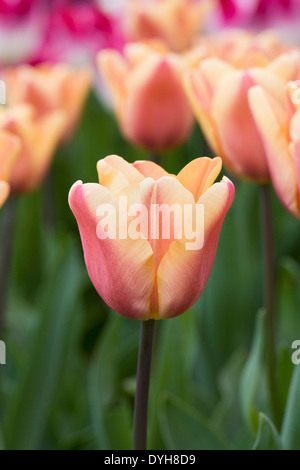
[
  {"x": 32, "y": 404},
  {"x": 267, "y": 435},
  {"x": 2, "y": 444},
  {"x": 184, "y": 428},
  {"x": 285, "y": 372},
  {"x": 106, "y": 415},
  {"x": 251, "y": 374},
  {"x": 290, "y": 432},
  {"x": 174, "y": 349}
]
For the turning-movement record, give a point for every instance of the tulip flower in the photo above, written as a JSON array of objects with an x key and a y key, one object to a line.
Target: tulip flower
[
  {"x": 242, "y": 48},
  {"x": 76, "y": 31},
  {"x": 219, "y": 95},
  {"x": 280, "y": 134},
  {"x": 144, "y": 274},
  {"x": 22, "y": 25},
  {"x": 50, "y": 88},
  {"x": 38, "y": 141},
  {"x": 175, "y": 21},
  {"x": 9, "y": 146},
  {"x": 148, "y": 96}
]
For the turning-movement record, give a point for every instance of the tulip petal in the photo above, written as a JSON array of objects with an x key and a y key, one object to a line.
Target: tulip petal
[
  {"x": 114, "y": 265},
  {"x": 113, "y": 67},
  {"x": 150, "y": 169},
  {"x": 156, "y": 115},
  {"x": 4, "y": 192},
  {"x": 200, "y": 95},
  {"x": 9, "y": 147},
  {"x": 285, "y": 66},
  {"x": 239, "y": 137},
  {"x": 170, "y": 192},
  {"x": 185, "y": 271},
  {"x": 199, "y": 175},
  {"x": 279, "y": 159},
  {"x": 115, "y": 173}
]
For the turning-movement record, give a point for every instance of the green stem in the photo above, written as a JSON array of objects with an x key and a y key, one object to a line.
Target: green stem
[
  {"x": 269, "y": 300},
  {"x": 142, "y": 386},
  {"x": 6, "y": 251},
  {"x": 48, "y": 202}
]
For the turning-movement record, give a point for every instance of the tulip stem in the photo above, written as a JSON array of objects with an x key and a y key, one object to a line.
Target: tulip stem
[
  {"x": 6, "y": 251},
  {"x": 142, "y": 386},
  {"x": 269, "y": 299},
  {"x": 48, "y": 201}
]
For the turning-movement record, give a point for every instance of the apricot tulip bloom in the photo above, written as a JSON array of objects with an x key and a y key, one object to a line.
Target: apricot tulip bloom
[
  {"x": 9, "y": 146},
  {"x": 219, "y": 95},
  {"x": 148, "y": 96},
  {"x": 38, "y": 141},
  {"x": 280, "y": 133},
  {"x": 50, "y": 88},
  {"x": 175, "y": 21},
  {"x": 147, "y": 276}
]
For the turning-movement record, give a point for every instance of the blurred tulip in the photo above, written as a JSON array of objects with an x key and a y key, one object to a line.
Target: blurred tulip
[
  {"x": 240, "y": 48},
  {"x": 282, "y": 15},
  {"x": 148, "y": 96},
  {"x": 280, "y": 133},
  {"x": 22, "y": 25},
  {"x": 175, "y": 21},
  {"x": 9, "y": 147},
  {"x": 76, "y": 31},
  {"x": 49, "y": 88},
  {"x": 147, "y": 276},
  {"x": 219, "y": 95},
  {"x": 38, "y": 141}
]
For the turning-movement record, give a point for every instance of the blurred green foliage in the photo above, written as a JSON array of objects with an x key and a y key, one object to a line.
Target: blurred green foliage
[{"x": 69, "y": 380}]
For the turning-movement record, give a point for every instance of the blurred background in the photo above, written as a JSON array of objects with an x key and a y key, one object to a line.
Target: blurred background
[{"x": 69, "y": 378}]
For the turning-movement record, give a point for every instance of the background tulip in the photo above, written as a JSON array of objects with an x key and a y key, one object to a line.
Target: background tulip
[
  {"x": 4, "y": 192},
  {"x": 175, "y": 21},
  {"x": 49, "y": 88},
  {"x": 219, "y": 96},
  {"x": 148, "y": 97},
  {"x": 38, "y": 141},
  {"x": 282, "y": 15},
  {"x": 9, "y": 146},
  {"x": 280, "y": 133},
  {"x": 150, "y": 278}
]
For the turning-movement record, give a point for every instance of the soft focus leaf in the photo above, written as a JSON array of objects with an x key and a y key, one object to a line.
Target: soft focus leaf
[
  {"x": 184, "y": 428},
  {"x": 290, "y": 432},
  {"x": 251, "y": 374},
  {"x": 110, "y": 420},
  {"x": 267, "y": 435},
  {"x": 32, "y": 404}
]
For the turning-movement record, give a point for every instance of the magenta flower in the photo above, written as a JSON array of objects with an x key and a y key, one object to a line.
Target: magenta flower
[
  {"x": 22, "y": 25},
  {"x": 77, "y": 31}
]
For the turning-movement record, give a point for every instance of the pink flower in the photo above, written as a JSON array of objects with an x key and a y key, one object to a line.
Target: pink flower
[
  {"x": 219, "y": 94},
  {"x": 284, "y": 15},
  {"x": 22, "y": 25},
  {"x": 148, "y": 276},
  {"x": 77, "y": 31},
  {"x": 148, "y": 96},
  {"x": 177, "y": 22},
  {"x": 280, "y": 134}
]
